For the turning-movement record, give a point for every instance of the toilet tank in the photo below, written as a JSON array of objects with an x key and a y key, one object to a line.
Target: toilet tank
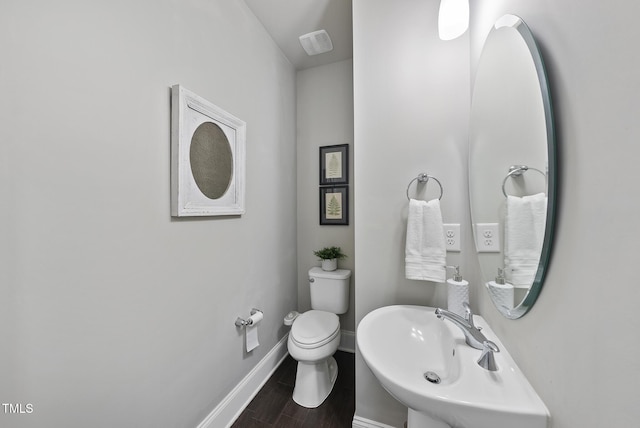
[{"x": 329, "y": 290}]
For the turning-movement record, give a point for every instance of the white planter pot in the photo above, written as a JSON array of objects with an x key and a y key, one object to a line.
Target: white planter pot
[{"x": 330, "y": 264}]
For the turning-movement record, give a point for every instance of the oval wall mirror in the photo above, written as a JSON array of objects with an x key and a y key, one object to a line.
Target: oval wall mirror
[{"x": 512, "y": 167}]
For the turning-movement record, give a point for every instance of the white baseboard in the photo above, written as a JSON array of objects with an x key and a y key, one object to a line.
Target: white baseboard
[
  {"x": 359, "y": 422},
  {"x": 347, "y": 341},
  {"x": 239, "y": 398}
]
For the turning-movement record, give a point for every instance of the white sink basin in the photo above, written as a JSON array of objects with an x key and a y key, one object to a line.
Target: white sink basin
[{"x": 401, "y": 343}]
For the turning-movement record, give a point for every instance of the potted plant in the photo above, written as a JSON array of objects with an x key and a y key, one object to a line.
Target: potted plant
[{"x": 329, "y": 257}]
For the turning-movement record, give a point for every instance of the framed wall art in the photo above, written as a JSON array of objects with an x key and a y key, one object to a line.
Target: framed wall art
[
  {"x": 334, "y": 205},
  {"x": 207, "y": 157},
  {"x": 334, "y": 164}
]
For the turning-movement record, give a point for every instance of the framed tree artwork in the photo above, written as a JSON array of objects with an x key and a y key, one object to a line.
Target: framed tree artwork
[
  {"x": 334, "y": 164},
  {"x": 334, "y": 205}
]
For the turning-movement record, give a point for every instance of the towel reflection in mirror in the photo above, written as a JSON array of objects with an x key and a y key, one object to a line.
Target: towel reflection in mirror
[{"x": 524, "y": 226}]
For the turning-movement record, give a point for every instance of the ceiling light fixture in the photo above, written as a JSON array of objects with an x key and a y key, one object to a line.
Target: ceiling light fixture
[{"x": 453, "y": 18}]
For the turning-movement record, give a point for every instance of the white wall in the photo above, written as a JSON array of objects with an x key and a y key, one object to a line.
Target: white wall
[
  {"x": 113, "y": 313},
  {"x": 324, "y": 118},
  {"x": 578, "y": 345},
  {"x": 411, "y": 101}
]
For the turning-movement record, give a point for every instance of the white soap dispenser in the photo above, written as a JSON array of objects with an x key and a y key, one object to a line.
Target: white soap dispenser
[
  {"x": 501, "y": 292},
  {"x": 457, "y": 293}
]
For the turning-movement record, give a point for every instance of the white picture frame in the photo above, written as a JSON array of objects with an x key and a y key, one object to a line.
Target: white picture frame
[{"x": 192, "y": 178}]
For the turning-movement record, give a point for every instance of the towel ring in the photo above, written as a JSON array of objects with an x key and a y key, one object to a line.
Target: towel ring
[
  {"x": 517, "y": 171},
  {"x": 423, "y": 178}
]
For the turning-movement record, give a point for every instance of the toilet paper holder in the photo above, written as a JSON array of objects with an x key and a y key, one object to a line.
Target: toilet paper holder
[{"x": 243, "y": 323}]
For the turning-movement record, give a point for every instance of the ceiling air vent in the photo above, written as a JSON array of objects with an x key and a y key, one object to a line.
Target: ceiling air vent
[{"x": 316, "y": 42}]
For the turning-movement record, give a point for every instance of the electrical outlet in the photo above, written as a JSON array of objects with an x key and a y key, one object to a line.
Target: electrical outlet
[
  {"x": 452, "y": 237},
  {"x": 488, "y": 237}
]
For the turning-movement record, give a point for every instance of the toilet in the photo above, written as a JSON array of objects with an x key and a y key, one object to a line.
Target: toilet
[{"x": 315, "y": 336}]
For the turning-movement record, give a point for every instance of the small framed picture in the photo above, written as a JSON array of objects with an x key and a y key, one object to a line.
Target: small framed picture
[
  {"x": 334, "y": 205},
  {"x": 334, "y": 164}
]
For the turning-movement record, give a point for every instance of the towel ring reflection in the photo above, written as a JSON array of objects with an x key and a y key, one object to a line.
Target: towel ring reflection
[
  {"x": 517, "y": 171},
  {"x": 423, "y": 178}
]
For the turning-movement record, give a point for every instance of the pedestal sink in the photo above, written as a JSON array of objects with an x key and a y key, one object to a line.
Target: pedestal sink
[{"x": 404, "y": 345}]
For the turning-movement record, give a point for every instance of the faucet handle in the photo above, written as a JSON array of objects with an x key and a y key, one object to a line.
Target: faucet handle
[
  {"x": 487, "y": 361},
  {"x": 468, "y": 314}
]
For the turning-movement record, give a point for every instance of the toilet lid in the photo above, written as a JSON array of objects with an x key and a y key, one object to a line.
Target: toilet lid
[{"x": 315, "y": 328}]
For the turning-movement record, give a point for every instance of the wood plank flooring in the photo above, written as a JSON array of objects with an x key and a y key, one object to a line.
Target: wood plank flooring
[{"x": 274, "y": 407}]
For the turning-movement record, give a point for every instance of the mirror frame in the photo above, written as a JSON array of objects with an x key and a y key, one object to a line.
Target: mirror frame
[{"x": 523, "y": 30}]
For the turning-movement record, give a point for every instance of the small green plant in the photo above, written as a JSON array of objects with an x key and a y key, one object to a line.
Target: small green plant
[{"x": 329, "y": 253}]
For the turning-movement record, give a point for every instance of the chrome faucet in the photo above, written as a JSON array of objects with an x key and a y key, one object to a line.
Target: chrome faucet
[{"x": 472, "y": 334}]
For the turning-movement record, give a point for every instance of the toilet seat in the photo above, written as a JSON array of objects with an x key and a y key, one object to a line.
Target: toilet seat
[{"x": 314, "y": 328}]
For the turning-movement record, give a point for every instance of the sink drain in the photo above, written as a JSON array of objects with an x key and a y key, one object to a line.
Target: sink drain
[{"x": 432, "y": 377}]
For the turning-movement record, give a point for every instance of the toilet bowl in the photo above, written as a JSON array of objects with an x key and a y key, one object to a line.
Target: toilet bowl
[{"x": 314, "y": 338}]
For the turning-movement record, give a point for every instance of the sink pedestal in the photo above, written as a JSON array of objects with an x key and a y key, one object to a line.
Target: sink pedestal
[{"x": 417, "y": 419}]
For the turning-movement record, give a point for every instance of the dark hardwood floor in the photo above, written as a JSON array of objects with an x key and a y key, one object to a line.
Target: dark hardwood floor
[{"x": 274, "y": 407}]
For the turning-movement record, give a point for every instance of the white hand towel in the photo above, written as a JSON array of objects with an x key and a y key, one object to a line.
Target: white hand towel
[
  {"x": 425, "y": 252},
  {"x": 525, "y": 222}
]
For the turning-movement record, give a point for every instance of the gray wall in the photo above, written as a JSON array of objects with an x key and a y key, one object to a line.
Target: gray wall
[
  {"x": 585, "y": 319},
  {"x": 113, "y": 313},
  {"x": 411, "y": 100},
  {"x": 324, "y": 118},
  {"x": 578, "y": 345}
]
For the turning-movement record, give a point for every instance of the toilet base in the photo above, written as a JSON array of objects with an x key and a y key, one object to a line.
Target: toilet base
[{"x": 314, "y": 382}]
